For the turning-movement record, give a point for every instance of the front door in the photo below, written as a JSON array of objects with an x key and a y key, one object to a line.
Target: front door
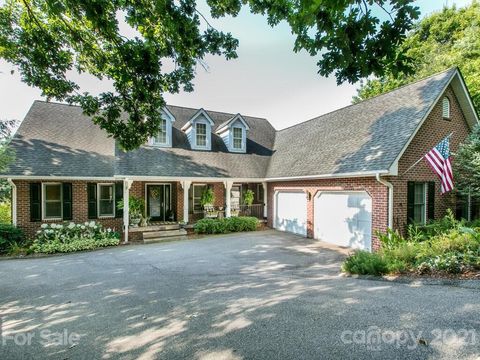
[{"x": 159, "y": 202}]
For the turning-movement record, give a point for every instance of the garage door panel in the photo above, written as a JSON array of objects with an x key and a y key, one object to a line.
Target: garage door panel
[
  {"x": 291, "y": 212},
  {"x": 344, "y": 219}
]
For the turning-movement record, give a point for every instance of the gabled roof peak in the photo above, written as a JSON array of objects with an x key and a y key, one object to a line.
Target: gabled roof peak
[
  {"x": 200, "y": 112},
  {"x": 223, "y": 127}
]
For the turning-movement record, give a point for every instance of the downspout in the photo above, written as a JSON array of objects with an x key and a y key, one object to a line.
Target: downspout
[
  {"x": 390, "y": 199},
  {"x": 14, "y": 201}
]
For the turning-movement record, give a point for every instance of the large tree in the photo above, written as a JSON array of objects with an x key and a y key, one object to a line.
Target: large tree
[
  {"x": 46, "y": 39},
  {"x": 442, "y": 40},
  {"x": 466, "y": 166}
]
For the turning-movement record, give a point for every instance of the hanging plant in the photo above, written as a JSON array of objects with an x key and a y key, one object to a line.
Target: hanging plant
[
  {"x": 248, "y": 197},
  {"x": 207, "y": 197}
]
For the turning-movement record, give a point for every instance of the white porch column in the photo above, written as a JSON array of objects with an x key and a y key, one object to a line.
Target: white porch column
[
  {"x": 185, "y": 186},
  {"x": 14, "y": 201},
  {"x": 265, "y": 199},
  {"x": 127, "y": 183},
  {"x": 228, "y": 203}
]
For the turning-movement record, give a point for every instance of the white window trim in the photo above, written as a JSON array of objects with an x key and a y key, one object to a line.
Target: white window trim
[
  {"x": 169, "y": 120},
  {"x": 193, "y": 198},
  {"x": 242, "y": 146},
  {"x": 425, "y": 198},
  {"x": 208, "y": 134},
  {"x": 98, "y": 201},
  {"x": 44, "y": 202}
]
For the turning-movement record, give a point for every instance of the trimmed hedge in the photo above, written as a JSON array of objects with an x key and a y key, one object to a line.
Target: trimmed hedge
[{"x": 226, "y": 225}]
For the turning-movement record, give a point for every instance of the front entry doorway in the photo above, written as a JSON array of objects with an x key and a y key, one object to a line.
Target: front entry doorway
[{"x": 159, "y": 202}]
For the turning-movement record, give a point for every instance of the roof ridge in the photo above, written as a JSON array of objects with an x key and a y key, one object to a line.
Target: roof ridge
[
  {"x": 372, "y": 98},
  {"x": 170, "y": 105}
]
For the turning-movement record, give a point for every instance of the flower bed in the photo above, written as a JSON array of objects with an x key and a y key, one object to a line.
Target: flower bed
[
  {"x": 444, "y": 247},
  {"x": 71, "y": 237}
]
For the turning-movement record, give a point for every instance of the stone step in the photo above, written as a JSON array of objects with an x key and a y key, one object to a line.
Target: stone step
[
  {"x": 164, "y": 233},
  {"x": 165, "y": 239}
]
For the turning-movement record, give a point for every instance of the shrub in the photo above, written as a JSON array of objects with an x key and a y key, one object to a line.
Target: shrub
[
  {"x": 364, "y": 263},
  {"x": 70, "y": 237},
  {"x": 5, "y": 213},
  {"x": 222, "y": 226},
  {"x": 10, "y": 236}
]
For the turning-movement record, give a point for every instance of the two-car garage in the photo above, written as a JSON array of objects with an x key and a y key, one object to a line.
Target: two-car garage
[{"x": 343, "y": 218}]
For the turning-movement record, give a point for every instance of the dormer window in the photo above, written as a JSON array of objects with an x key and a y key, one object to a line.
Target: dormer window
[
  {"x": 201, "y": 134},
  {"x": 234, "y": 134},
  {"x": 237, "y": 138},
  {"x": 164, "y": 134},
  {"x": 161, "y": 138},
  {"x": 199, "y": 131},
  {"x": 446, "y": 108}
]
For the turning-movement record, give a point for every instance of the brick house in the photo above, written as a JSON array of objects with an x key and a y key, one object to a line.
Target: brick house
[{"x": 340, "y": 177}]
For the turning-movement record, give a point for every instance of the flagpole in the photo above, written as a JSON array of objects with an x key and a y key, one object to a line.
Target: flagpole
[{"x": 416, "y": 162}]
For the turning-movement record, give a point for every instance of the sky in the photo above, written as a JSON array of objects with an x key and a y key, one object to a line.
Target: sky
[{"x": 267, "y": 80}]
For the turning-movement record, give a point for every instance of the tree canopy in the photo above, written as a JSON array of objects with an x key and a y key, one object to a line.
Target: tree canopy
[
  {"x": 442, "y": 40},
  {"x": 466, "y": 166},
  {"x": 48, "y": 39}
]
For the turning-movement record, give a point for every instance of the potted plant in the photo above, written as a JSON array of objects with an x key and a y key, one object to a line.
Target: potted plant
[
  {"x": 136, "y": 207},
  {"x": 206, "y": 200}
]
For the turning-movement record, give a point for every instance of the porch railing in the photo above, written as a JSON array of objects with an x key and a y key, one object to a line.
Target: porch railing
[{"x": 255, "y": 210}]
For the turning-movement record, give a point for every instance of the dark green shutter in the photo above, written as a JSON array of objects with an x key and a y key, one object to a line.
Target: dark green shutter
[
  {"x": 67, "y": 201},
  {"x": 118, "y": 197},
  {"x": 35, "y": 201},
  {"x": 410, "y": 201},
  {"x": 92, "y": 200},
  {"x": 431, "y": 201}
]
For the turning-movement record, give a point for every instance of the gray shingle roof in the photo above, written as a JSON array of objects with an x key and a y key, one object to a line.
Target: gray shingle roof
[
  {"x": 364, "y": 137},
  {"x": 58, "y": 140}
]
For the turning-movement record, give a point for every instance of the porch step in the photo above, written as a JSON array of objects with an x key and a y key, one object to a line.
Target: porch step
[
  {"x": 165, "y": 239},
  {"x": 163, "y": 234}
]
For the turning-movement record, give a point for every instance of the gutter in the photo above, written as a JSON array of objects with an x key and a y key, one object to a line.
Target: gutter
[
  {"x": 390, "y": 199},
  {"x": 14, "y": 201}
]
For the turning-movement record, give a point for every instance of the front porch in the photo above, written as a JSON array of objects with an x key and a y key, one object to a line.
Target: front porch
[{"x": 170, "y": 204}]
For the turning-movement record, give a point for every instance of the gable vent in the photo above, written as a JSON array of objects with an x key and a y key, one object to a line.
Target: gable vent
[{"x": 446, "y": 108}]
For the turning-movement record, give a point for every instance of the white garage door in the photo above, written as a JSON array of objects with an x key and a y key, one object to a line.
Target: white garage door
[
  {"x": 291, "y": 212},
  {"x": 344, "y": 219}
]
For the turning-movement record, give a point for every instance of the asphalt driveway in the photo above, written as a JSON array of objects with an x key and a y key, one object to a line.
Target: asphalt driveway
[{"x": 265, "y": 295}]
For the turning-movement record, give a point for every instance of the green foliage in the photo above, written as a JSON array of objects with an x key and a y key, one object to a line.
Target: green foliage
[
  {"x": 10, "y": 236},
  {"x": 136, "y": 206},
  {"x": 70, "y": 237},
  {"x": 208, "y": 197},
  {"x": 248, "y": 197},
  {"x": 446, "y": 245},
  {"x": 5, "y": 213},
  {"x": 466, "y": 166},
  {"x": 49, "y": 40},
  {"x": 365, "y": 263},
  {"x": 442, "y": 40},
  {"x": 226, "y": 225}
]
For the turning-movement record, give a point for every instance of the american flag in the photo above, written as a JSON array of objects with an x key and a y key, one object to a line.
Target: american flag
[{"x": 439, "y": 160}]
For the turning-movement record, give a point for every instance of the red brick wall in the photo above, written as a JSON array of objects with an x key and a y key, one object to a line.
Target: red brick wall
[
  {"x": 434, "y": 129},
  {"x": 79, "y": 208},
  {"x": 377, "y": 191}
]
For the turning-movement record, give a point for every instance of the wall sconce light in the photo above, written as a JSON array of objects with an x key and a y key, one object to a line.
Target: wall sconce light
[{"x": 309, "y": 196}]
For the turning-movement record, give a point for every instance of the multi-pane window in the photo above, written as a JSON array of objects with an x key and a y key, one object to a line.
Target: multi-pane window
[
  {"x": 197, "y": 195},
  {"x": 201, "y": 134},
  {"x": 161, "y": 138},
  {"x": 52, "y": 201},
  {"x": 106, "y": 200},
  {"x": 237, "y": 138},
  {"x": 419, "y": 209}
]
